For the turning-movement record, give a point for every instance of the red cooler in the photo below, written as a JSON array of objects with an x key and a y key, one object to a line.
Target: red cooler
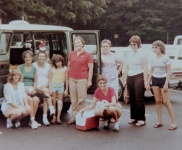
[{"x": 87, "y": 121}]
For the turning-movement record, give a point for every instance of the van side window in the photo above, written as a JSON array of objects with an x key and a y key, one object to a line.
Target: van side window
[
  {"x": 18, "y": 46},
  {"x": 58, "y": 44},
  {"x": 90, "y": 42},
  {"x": 4, "y": 42}
]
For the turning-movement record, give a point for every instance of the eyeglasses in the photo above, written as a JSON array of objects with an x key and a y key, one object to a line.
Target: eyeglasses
[{"x": 134, "y": 44}]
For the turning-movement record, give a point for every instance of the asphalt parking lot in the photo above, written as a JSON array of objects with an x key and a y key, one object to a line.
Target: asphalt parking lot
[{"x": 67, "y": 137}]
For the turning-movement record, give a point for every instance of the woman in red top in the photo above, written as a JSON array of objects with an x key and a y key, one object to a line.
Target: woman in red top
[
  {"x": 105, "y": 103},
  {"x": 80, "y": 71}
]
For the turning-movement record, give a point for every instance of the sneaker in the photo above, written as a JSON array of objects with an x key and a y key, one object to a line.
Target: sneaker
[
  {"x": 34, "y": 125},
  {"x": 38, "y": 124},
  {"x": 116, "y": 126},
  {"x": 17, "y": 124},
  {"x": 46, "y": 122},
  {"x": 52, "y": 111},
  {"x": 9, "y": 124}
]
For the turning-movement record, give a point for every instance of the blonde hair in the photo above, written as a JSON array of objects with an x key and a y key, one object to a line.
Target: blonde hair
[
  {"x": 101, "y": 77},
  {"x": 161, "y": 46},
  {"x": 136, "y": 39},
  {"x": 12, "y": 73}
]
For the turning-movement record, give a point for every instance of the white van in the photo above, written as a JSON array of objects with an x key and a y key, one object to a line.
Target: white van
[{"x": 18, "y": 36}]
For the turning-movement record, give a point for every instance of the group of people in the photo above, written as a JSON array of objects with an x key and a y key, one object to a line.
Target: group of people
[{"x": 51, "y": 81}]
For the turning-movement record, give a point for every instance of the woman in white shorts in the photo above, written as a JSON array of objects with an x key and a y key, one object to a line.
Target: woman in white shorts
[
  {"x": 29, "y": 79},
  {"x": 43, "y": 73}
]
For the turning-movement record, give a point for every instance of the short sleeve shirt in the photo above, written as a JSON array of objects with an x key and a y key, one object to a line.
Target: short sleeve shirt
[
  {"x": 159, "y": 66},
  {"x": 134, "y": 62},
  {"x": 79, "y": 64},
  {"x": 99, "y": 95}
]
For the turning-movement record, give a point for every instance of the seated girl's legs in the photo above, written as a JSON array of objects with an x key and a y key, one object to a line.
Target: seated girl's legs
[
  {"x": 59, "y": 106},
  {"x": 158, "y": 99},
  {"x": 35, "y": 104},
  {"x": 16, "y": 114},
  {"x": 167, "y": 103},
  {"x": 46, "y": 92},
  {"x": 12, "y": 114}
]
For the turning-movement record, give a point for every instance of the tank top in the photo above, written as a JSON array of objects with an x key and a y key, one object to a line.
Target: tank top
[{"x": 59, "y": 75}]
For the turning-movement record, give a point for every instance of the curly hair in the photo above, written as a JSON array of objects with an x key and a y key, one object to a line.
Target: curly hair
[
  {"x": 57, "y": 58},
  {"x": 25, "y": 53}
]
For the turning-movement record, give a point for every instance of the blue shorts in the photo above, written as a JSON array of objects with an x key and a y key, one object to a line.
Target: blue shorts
[{"x": 57, "y": 87}]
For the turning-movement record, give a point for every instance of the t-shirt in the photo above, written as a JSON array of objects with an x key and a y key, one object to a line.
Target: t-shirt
[
  {"x": 159, "y": 66},
  {"x": 28, "y": 77},
  {"x": 99, "y": 95},
  {"x": 134, "y": 62},
  {"x": 42, "y": 74},
  {"x": 79, "y": 64}
]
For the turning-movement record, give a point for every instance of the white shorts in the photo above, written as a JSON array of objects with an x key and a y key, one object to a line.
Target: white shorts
[{"x": 29, "y": 89}]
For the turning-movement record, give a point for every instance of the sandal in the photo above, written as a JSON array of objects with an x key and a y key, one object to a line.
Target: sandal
[
  {"x": 158, "y": 125},
  {"x": 71, "y": 121},
  {"x": 59, "y": 121},
  {"x": 173, "y": 127},
  {"x": 131, "y": 121},
  {"x": 53, "y": 121},
  {"x": 140, "y": 123}
]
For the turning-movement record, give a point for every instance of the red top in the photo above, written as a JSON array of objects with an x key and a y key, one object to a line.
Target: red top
[
  {"x": 98, "y": 94},
  {"x": 79, "y": 64}
]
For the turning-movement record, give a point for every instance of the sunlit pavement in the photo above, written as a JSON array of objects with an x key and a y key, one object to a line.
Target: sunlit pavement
[{"x": 130, "y": 137}]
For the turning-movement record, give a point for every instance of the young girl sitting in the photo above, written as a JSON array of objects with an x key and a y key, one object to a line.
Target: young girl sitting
[
  {"x": 58, "y": 83},
  {"x": 105, "y": 103}
]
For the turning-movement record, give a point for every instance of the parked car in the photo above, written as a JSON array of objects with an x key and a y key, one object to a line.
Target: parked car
[{"x": 175, "y": 54}]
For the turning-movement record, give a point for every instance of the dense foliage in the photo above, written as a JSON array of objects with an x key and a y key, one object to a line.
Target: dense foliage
[{"x": 151, "y": 19}]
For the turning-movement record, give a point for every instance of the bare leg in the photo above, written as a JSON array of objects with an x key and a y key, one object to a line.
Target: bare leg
[
  {"x": 169, "y": 107},
  {"x": 158, "y": 99}
]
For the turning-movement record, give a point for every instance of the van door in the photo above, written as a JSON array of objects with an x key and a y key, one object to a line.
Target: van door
[
  {"x": 5, "y": 38},
  {"x": 92, "y": 45}
]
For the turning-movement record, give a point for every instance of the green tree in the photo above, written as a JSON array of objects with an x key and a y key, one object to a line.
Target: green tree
[
  {"x": 59, "y": 12},
  {"x": 28, "y": 9}
]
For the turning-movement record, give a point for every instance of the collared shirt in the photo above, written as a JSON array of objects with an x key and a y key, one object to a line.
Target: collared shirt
[{"x": 79, "y": 64}]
